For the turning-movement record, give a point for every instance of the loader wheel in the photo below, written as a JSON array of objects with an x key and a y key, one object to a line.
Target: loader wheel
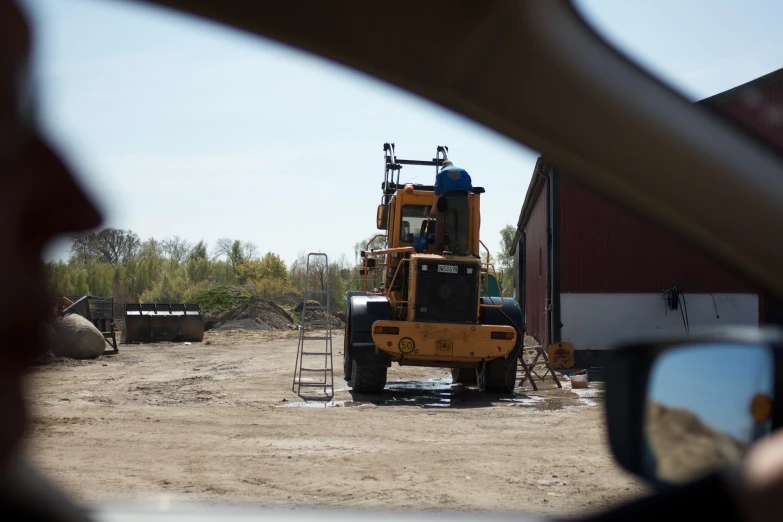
[
  {"x": 497, "y": 376},
  {"x": 347, "y": 366},
  {"x": 368, "y": 379},
  {"x": 463, "y": 375}
]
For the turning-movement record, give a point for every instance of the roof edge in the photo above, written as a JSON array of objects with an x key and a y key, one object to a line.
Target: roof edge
[
  {"x": 533, "y": 191},
  {"x": 735, "y": 92}
]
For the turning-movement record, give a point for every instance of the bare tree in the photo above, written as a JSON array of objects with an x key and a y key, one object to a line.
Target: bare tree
[
  {"x": 344, "y": 266},
  {"x": 298, "y": 270},
  {"x": 319, "y": 268},
  {"x": 222, "y": 247},
  {"x": 176, "y": 248},
  {"x": 117, "y": 246},
  {"x": 371, "y": 243},
  {"x": 249, "y": 250},
  {"x": 199, "y": 251},
  {"x": 83, "y": 246},
  {"x": 150, "y": 249},
  {"x": 110, "y": 245}
]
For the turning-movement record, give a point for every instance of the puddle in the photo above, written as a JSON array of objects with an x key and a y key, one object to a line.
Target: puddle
[
  {"x": 322, "y": 404},
  {"x": 442, "y": 393},
  {"x": 435, "y": 393},
  {"x": 546, "y": 403},
  {"x": 560, "y": 398}
]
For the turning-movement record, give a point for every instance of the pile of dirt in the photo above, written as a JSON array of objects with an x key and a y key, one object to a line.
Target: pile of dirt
[
  {"x": 256, "y": 314},
  {"x": 262, "y": 314},
  {"x": 310, "y": 304},
  {"x": 684, "y": 447},
  {"x": 320, "y": 315},
  {"x": 290, "y": 299}
]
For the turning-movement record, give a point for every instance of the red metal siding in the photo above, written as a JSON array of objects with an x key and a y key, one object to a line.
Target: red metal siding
[
  {"x": 606, "y": 249},
  {"x": 536, "y": 272},
  {"x": 757, "y": 110}
]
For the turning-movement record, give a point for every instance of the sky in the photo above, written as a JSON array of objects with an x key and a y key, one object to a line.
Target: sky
[
  {"x": 178, "y": 126},
  {"x": 720, "y": 391}
]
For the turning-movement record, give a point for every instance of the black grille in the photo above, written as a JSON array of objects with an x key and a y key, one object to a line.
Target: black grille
[{"x": 446, "y": 297}]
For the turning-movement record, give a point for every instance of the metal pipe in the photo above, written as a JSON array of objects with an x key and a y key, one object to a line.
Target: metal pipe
[
  {"x": 550, "y": 322},
  {"x": 522, "y": 254}
]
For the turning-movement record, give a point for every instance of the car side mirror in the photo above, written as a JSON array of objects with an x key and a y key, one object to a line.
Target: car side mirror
[{"x": 679, "y": 410}]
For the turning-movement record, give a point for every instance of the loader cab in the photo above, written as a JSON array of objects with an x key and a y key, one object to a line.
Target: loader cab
[
  {"x": 406, "y": 216},
  {"x": 412, "y": 240}
]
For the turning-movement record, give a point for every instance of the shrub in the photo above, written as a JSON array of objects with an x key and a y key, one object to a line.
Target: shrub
[{"x": 217, "y": 298}]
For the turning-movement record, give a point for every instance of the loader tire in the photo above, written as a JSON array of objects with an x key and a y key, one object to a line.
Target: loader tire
[
  {"x": 498, "y": 375},
  {"x": 347, "y": 361},
  {"x": 368, "y": 379},
  {"x": 463, "y": 375}
]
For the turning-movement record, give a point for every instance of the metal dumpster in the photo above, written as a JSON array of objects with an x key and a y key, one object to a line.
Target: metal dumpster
[{"x": 149, "y": 323}]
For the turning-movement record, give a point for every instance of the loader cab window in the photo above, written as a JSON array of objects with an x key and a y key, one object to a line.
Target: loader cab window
[{"x": 412, "y": 221}]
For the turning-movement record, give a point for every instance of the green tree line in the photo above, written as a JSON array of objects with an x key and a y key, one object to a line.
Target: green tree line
[{"x": 116, "y": 262}]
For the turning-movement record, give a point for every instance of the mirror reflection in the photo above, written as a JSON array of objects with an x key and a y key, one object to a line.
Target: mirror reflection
[{"x": 706, "y": 404}]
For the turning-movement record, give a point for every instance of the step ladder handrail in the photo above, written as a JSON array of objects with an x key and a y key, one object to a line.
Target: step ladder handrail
[{"x": 328, "y": 364}]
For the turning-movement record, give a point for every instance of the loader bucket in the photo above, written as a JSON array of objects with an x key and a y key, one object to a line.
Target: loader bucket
[{"x": 149, "y": 323}]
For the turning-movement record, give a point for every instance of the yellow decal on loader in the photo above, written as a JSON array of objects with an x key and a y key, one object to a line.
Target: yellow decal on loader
[
  {"x": 444, "y": 347},
  {"x": 406, "y": 345}
]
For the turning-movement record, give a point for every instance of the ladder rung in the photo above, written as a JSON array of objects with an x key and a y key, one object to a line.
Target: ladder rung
[
  {"x": 316, "y": 353},
  {"x": 316, "y": 338},
  {"x": 315, "y": 384},
  {"x": 314, "y": 307},
  {"x": 315, "y": 323},
  {"x": 315, "y": 369}
]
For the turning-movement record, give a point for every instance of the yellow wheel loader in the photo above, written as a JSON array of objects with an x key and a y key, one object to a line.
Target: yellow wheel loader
[{"x": 421, "y": 307}]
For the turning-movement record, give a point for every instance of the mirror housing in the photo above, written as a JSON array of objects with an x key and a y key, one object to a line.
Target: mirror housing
[
  {"x": 382, "y": 217},
  {"x": 666, "y": 444}
]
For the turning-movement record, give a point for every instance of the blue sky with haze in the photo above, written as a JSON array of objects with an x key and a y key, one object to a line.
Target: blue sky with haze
[{"x": 179, "y": 126}]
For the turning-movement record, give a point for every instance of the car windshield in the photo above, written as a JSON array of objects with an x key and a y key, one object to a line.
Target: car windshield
[
  {"x": 684, "y": 44},
  {"x": 240, "y": 183}
]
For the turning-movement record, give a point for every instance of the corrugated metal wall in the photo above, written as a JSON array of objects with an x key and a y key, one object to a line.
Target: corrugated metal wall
[
  {"x": 606, "y": 249},
  {"x": 758, "y": 110},
  {"x": 757, "y": 107},
  {"x": 536, "y": 272}
]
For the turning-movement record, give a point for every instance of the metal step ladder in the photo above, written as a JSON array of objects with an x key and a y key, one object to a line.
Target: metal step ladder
[
  {"x": 310, "y": 359},
  {"x": 529, "y": 367}
]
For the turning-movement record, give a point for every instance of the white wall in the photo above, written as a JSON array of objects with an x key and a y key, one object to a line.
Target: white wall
[{"x": 599, "y": 321}]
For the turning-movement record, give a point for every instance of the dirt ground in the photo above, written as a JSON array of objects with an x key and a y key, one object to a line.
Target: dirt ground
[{"x": 216, "y": 422}]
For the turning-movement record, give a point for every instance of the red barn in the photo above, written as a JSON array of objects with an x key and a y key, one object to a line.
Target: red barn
[{"x": 593, "y": 274}]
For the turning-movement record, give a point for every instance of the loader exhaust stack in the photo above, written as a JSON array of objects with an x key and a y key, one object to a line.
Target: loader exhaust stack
[{"x": 149, "y": 323}]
